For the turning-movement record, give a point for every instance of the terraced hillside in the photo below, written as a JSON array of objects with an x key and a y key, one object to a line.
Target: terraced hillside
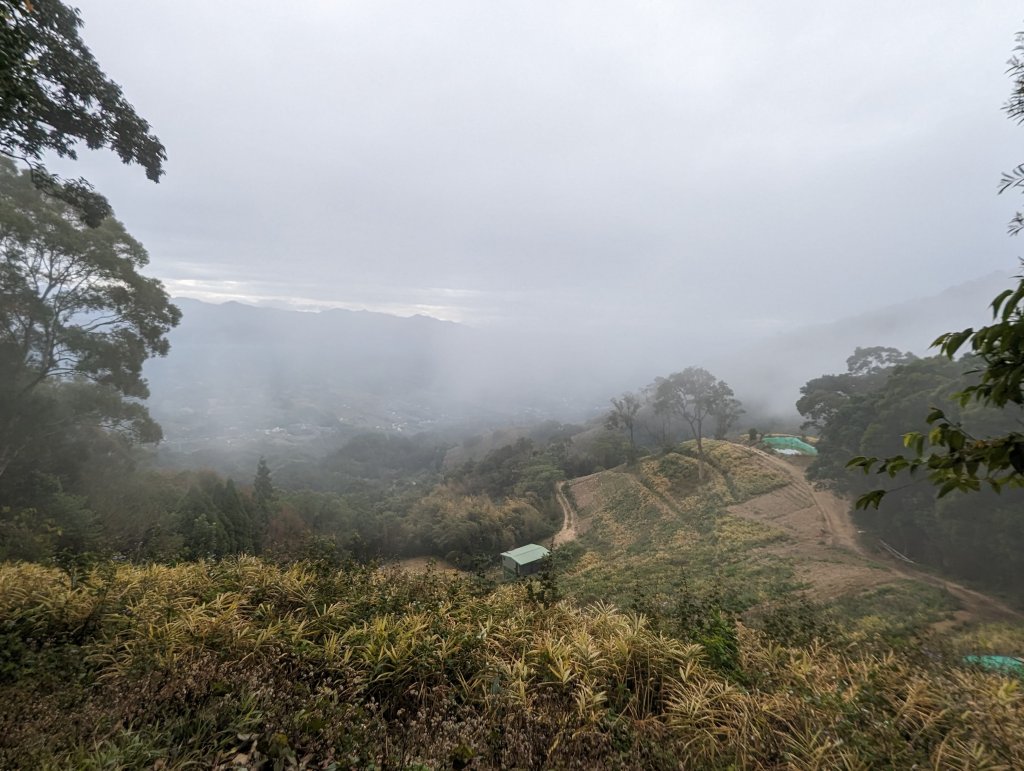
[{"x": 753, "y": 532}]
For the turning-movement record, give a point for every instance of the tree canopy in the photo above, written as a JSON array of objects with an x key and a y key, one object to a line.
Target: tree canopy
[
  {"x": 74, "y": 309},
  {"x": 954, "y": 457},
  {"x": 695, "y": 395},
  {"x": 822, "y": 397},
  {"x": 54, "y": 97},
  {"x": 978, "y": 537}
]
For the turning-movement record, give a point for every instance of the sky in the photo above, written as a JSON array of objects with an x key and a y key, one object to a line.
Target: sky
[{"x": 738, "y": 166}]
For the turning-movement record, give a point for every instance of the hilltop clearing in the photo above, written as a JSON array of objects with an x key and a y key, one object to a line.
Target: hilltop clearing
[
  {"x": 753, "y": 533},
  {"x": 839, "y": 532}
]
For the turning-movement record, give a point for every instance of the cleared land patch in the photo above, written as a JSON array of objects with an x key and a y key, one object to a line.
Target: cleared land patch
[{"x": 753, "y": 531}]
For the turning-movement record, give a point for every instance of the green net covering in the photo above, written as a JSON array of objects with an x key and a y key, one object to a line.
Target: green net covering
[{"x": 790, "y": 443}]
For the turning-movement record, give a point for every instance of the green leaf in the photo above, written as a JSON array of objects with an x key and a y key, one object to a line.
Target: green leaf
[
  {"x": 869, "y": 500},
  {"x": 998, "y": 301},
  {"x": 954, "y": 341},
  {"x": 862, "y": 462},
  {"x": 1013, "y": 302}
]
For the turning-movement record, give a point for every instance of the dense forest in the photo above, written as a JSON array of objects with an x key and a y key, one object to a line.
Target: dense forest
[
  {"x": 376, "y": 498},
  {"x": 866, "y": 411}
]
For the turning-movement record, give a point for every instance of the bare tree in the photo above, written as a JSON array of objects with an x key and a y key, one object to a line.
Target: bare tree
[
  {"x": 726, "y": 415},
  {"x": 623, "y": 418}
]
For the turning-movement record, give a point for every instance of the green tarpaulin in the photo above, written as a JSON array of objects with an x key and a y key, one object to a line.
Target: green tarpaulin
[
  {"x": 1006, "y": 664},
  {"x": 790, "y": 443}
]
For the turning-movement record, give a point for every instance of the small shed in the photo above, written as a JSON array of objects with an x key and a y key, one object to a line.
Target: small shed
[{"x": 524, "y": 561}]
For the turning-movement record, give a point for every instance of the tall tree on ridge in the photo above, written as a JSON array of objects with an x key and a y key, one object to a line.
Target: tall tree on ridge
[
  {"x": 694, "y": 394},
  {"x": 74, "y": 310},
  {"x": 623, "y": 417}
]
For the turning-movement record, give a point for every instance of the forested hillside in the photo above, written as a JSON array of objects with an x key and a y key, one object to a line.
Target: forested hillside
[
  {"x": 378, "y": 497},
  {"x": 866, "y": 411}
]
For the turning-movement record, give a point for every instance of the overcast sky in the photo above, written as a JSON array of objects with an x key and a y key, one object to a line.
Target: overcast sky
[{"x": 759, "y": 165}]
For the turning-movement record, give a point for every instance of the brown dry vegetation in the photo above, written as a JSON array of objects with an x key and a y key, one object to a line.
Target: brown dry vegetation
[
  {"x": 753, "y": 532},
  {"x": 245, "y": 664},
  {"x": 826, "y": 569},
  {"x": 240, "y": 663},
  {"x": 834, "y": 561}
]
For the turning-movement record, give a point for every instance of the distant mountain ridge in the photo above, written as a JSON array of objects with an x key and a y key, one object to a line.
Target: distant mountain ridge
[
  {"x": 777, "y": 366},
  {"x": 303, "y": 347},
  {"x": 245, "y": 374}
]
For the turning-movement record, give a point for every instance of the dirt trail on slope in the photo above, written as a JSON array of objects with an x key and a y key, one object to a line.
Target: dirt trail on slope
[
  {"x": 570, "y": 522},
  {"x": 832, "y": 514},
  {"x": 834, "y": 511},
  {"x": 424, "y": 564},
  {"x": 583, "y": 491}
]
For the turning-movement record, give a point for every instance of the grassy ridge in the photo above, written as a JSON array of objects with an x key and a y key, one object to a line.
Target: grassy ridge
[
  {"x": 654, "y": 531},
  {"x": 241, "y": 662},
  {"x": 654, "y": 534}
]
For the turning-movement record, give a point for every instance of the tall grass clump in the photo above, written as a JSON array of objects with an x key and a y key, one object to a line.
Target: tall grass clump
[{"x": 241, "y": 663}]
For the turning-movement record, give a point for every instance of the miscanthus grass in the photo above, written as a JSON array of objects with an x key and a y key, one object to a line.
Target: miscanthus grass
[{"x": 245, "y": 664}]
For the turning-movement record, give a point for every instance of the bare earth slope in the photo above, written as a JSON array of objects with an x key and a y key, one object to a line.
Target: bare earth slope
[
  {"x": 570, "y": 526},
  {"x": 834, "y": 512},
  {"x": 653, "y": 523}
]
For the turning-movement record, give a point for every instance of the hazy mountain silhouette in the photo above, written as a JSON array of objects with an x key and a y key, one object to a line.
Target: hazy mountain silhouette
[{"x": 238, "y": 372}]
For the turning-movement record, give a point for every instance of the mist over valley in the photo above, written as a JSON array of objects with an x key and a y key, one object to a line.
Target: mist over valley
[
  {"x": 511, "y": 386},
  {"x": 243, "y": 381}
]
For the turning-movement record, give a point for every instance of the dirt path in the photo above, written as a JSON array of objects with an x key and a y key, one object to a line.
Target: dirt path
[
  {"x": 842, "y": 533},
  {"x": 570, "y": 522},
  {"x": 835, "y": 512},
  {"x": 424, "y": 564}
]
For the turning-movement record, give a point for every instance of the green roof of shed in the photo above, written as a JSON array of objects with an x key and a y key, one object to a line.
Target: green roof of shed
[{"x": 524, "y": 555}]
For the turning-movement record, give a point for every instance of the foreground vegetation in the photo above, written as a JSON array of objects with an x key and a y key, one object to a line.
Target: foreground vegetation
[
  {"x": 241, "y": 662},
  {"x": 671, "y": 633}
]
